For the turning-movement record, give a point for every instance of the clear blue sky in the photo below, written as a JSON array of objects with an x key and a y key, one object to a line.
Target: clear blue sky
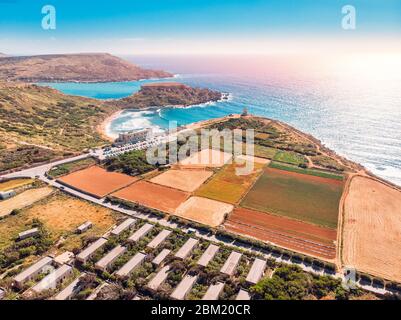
[{"x": 90, "y": 24}]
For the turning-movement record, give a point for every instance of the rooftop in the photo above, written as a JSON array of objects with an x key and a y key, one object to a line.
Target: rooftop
[
  {"x": 213, "y": 292},
  {"x": 208, "y": 255},
  {"x": 186, "y": 248},
  {"x": 159, "y": 278},
  {"x": 257, "y": 270},
  {"x": 86, "y": 253},
  {"x": 159, "y": 238},
  {"x": 70, "y": 290},
  {"x": 134, "y": 262},
  {"x": 123, "y": 226},
  {"x": 231, "y": 263},
  {"x": 26, "y": 274},
  {"x": 51, "y": 280},
  {"x": 161, "y": 256},
  {"x": 109, "y": 258},
  {"x": 243, "y": 295},
  {"x": 141, "y": 232},
  {"x": 183, "y": 287}
]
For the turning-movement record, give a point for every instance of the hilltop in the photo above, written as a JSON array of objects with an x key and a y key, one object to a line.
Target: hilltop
[
  {"x": 166, "y": 94},
  {"x": 85, "y": 67},
  {"x": 3, "y": 55}
]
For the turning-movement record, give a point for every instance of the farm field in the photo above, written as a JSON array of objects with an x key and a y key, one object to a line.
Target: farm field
[
  {"x": 23, "y": 199},
  {"x": 371, "y": 228},
  {"x": 289, "y": 157},
  {"x": 185, "y": 180},
  {"x": 229, "y": 187},
  {"x": 96, "y": 181},
  {"x": 298, "y": 196},
  {"x": 205, "y": 211},
  {"x": 61, "y": 215},
  {"x": 14, "y": 184},
  {"x": 288, "y": 233},
  {"x": 207, "y": 158},
  {"x": 153, "y": 195}
]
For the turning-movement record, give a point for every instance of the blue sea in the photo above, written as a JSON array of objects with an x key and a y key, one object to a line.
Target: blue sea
[{"x": 354, "y": 109}]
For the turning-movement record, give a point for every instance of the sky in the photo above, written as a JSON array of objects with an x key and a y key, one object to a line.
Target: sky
[{"x": 199, "y": 26}]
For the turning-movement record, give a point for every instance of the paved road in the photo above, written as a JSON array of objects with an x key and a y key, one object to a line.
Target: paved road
[{"x": 40, "y": 173}]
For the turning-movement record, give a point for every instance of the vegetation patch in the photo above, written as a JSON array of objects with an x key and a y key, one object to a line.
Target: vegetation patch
[
  {"x": 70, "y": 167},
  {"x": 290, "y": 158},
  {"x": 312, "y": 172}
]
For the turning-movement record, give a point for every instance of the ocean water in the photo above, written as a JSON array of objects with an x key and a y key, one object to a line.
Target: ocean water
[{"x": 352, "y": 106}]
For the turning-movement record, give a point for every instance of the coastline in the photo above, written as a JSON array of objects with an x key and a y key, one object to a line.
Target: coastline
[{"x": 103, "y": 128}]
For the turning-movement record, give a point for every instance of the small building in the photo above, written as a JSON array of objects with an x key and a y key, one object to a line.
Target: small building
[
  {"x": 28, "y": 233},
  {"x": 52, "y": 280},
  {"x": 86, "y": 254},
  {"x": 106, "y": 262},
  {"x": 4, "y": 195},
  {"x": 31, "y": 272},
  {"x": 159, "y": 239},
  {"x": 158, "y": 279},
  {"x": 208, "y": 255},
  {"x": 95, "y": 292},
  {"x": 256, "y": 272},
  {"x": 134, "y": 136},
  {"x": 71, "y": 290},
  {"x": 131, "y": 265},
  {"x": 186, "y": 249},
  {"x": 184, "y": 287},
  {"x": 84, "y": 227},
  {"x": 243, "y": 295},
  {"x": 64, "y": 258},
  {"x": 231, "y": 263},
  {"x": 2, "y": 293},
  {"x": 141, "y": 232},
  {"x": 128, "y": 223},
  {"x": 161, "y": 256},
  {"x": 214, "y": 291}
]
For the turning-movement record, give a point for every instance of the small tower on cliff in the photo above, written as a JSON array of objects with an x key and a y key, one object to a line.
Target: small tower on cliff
[{"x": 244, "y": 112}]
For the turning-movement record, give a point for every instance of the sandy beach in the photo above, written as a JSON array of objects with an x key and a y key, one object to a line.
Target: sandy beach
[{"x": 103, "y": 128}]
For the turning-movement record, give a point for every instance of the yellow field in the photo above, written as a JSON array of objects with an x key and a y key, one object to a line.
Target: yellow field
[
  {"x": 228, "y": 186},
  {"x": 14, "y": 184},
  {"x": 61, "y": 216}
]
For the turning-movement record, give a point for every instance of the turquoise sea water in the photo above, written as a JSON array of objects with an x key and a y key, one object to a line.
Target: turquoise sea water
[{"x": 357, "y": 116}]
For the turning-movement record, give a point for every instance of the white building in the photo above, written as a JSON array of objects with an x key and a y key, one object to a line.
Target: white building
[
  {"x": 106, "y": 262},
  {"x": 4, "y": 195},
  {"x": 28, "y": 233},
  {"x": 231, "y": 263},
  {"x": 186, "y": 249},
  {"x": 131, "y": 265},
  {"x": 85, "y": 255},
  {"x": 128, "y": 223},
  {"x": 84, "y": 227},
  {"x": 52, "y": 280},
  {"x": 135, "y": 136},
  {"x": 208, "y": 255},
  {"x": 32, "y": 272},
  {"x": 184, "y": 287}
]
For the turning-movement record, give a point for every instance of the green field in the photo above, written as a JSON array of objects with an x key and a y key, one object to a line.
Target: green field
[
  {"x": 312, "y": 172},
  {"x": 289, "y": 157},
  {"x": 298, "y": 196},
  {"x": 69, "y": 167}
]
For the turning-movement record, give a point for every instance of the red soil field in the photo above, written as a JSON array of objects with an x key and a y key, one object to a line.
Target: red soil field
[
  {"x": 153, "y": 196},
  {"x": 288, "y": 233},
  {"x": 96, "y": 181}
]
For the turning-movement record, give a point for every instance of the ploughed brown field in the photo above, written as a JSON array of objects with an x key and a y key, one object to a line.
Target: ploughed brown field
[
  {"x": 372, "y": 228},
  {"x": 153, "y": 196},
  {"x": 185, "y": 180},
  {"x": 97, "y": 181},
  {"x": 205, "y": 211},
  {"x": 288, "y": 233}
]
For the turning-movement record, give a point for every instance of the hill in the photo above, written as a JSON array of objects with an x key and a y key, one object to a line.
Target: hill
[
  {"x": 166, "y": 94},
  {"x": 95, "y": 67},
  {"x": 3, "y": 55}
]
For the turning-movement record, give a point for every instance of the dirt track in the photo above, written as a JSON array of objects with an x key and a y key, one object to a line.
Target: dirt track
[{"x": 371, "y": 228}]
